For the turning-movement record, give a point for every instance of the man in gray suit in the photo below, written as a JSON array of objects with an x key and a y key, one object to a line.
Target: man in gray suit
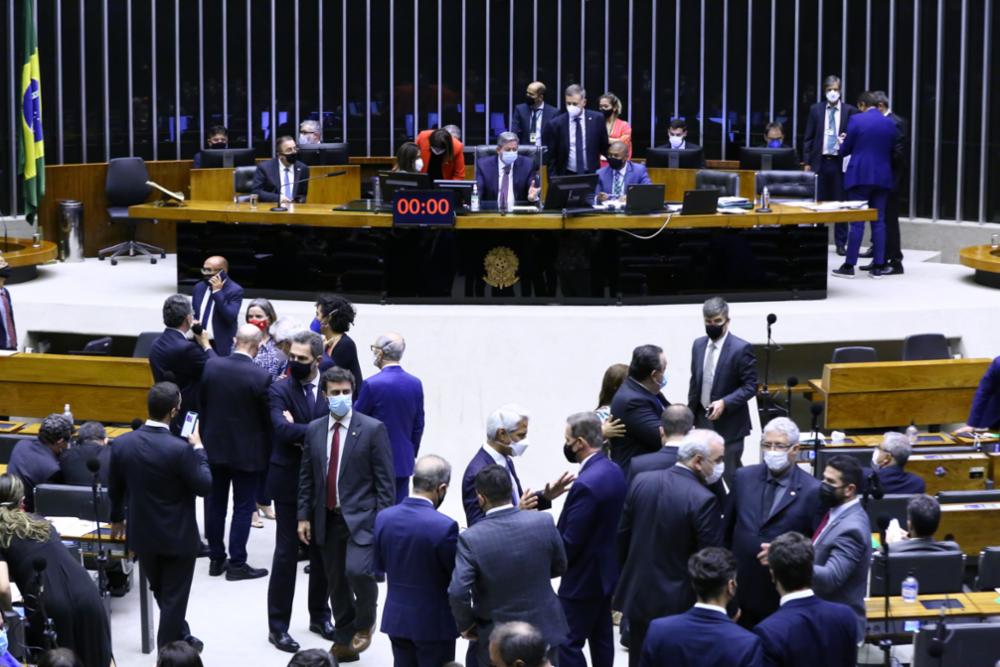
[
  {"x": 346, "y": 477},
  {"x": 503, "y": 569}
]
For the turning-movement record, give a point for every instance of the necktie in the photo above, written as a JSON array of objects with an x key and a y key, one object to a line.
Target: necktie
[
  {"x": 770, "y": 490},
  {"x": 289, "y": 188},
  {"x": 504, "y": 185},
  {"x": 536, "y": 116},
  {"x": 515, "y": 491},
  {"x": 821, "y": 526},
  {"x": 831, "y": 130},
  {"x": 331, "y": 472},
  {"x": 708, "y": 376},
  {"x": 617, "y": 189},
  {"x": 581, "y": 160},
  {"x": 308, "y": 388},
  {"x": 10, "y": 333}
]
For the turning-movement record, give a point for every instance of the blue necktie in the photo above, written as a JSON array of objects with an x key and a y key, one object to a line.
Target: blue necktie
[
  {"x": 831, "y": 128},
  {"x": 616, "y": 190},
  {"x": 581, "y": 160},
  {"x": 289, "y": 187},
  {"x": 514, "y": 490}
]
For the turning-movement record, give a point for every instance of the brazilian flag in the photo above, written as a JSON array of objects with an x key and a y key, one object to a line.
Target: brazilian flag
[{"x": 30, "y": 147}]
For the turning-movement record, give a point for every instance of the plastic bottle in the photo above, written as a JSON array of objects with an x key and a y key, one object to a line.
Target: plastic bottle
[
  {"x": 67, "y": 414},
  {"x": 912, "y": 433},
  {"x": 911, "y": 588},
  {"x": 474, "y": 200},
  {"x": 765, "y": 199},
  {"x": 377, "y": 190}
]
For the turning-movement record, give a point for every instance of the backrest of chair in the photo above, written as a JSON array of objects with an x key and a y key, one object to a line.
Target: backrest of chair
[
  {"x": 971, "y": 496},
  {"x": 144, "y": 343},
  {"x": 989, "y": 569},
  {"x": 727, "y": 183},
  {"x": 892, "y": 505},
  {"x": 964, "y": 645},
  {"x": 98, "y": 345},
  {"x": 787, "y": 184},
  {"x": 243, "y": 179},
  {"x": 126, "y": 181},
  {"x": 485, "y": 150},
  {"x": 853, "y": 355},
  {"x": 74, "y": 501},
  {"x": 935, "y": 572},
  {"x": 926, "y": 346}
]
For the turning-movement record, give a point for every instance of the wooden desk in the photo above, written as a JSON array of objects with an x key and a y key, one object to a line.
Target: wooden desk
[
  {"x": 899, "y": 609},
  {"x": 973, "y": 525},
  {"x": 950, "y": 472},
  {"x": 986, "y": 602},
  {"x": 679, "y": 181},
  {"x": 24, "y": 258},
  {"x": 924, "y": 440},
  {"x": 217, "y": 185},
  {"x": 985, "y": 260},
  {"x": 994, "y": 468}
]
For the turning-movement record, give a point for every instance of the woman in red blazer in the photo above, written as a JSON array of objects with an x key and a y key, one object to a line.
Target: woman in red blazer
[{"x": 442, "y": 155}]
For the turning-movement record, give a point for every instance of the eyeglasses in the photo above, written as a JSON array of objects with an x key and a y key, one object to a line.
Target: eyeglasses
[{"x": 775, "y": 446}]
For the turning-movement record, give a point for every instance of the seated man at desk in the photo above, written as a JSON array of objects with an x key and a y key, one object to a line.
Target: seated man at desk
[
  {"x": 923, "y": 515},
  {"x": 677, "y": 136},
  {"x": 36, "y": 461},
  {"x": 888, "y": 461},
  {"x": 282, "y": 179},
  {"x": 509, "y": 178},
  {"x": 218, "y": 138},
  {"x": 91, "y": 443},
  {"x": 613, "y": 180}
]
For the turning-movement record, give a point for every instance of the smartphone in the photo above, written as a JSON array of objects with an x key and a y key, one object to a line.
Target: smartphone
[
  {"x": 190, "y": 421},
  {"x": 222, "y": 275}
]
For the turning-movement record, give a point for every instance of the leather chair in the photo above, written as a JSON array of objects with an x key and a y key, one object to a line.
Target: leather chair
[
  {"x": 892, "y": 505},
  {"x": 926, "y": 346},
  {"x": 126, "y": 186},
  {"x": 936, "y": 572},
  {"x": 853, "y": 355},
  {"x": 98, "y": 346},
  {"x": 989, "y": 569},
  {"x": 787, "y": 184},
  {"x": 969, "y": 496},
  {"x": 242, "y": 180},
  {"x": 727, "y": 183},
  {"x": 144, "y": 343},
  {"x": 527, "y": 150},
  {"x": 74, "y": 501}
]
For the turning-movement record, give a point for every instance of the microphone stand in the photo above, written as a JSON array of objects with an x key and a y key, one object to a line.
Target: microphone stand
[
  {"x": 886, "y": 642},
  {"x": 280, "y": 209},
  {"x": 102, "y": 556},
  {"x": 766, "y": 408},
  {"x": 50, "y": 639}
]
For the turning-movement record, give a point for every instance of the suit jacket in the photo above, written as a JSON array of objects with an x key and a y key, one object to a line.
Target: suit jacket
[
  {"x": 702, "y": 637},
  {"x": 492, "y": 582},
  {"x": 181, "y": 361},
  {"x": 667, "y": 517},
  {"x": 415, "y": 546},
  {"x": 225, "y": 312},
  {"x": 663, "y": 458},
  {"x": 896, "y": 480},
  {"x": 288, "y": 439},
  {"x": 640, "y": 412},
  {"x": 588, "y": 525},
  {"x": 473, "y": 513},
  {"x": 635, "y": 174},
  {"x": 815, "y": 135},
  {"x": 488, "y": 173},
  {"x": 923, "y": 545},
  {"x": 396, "y": 398},
  {"x": 842, "y": 559},
  {"x": 365, "y": 482},
  {"x": 556, "y": 139},
  {"x": 870, "y": 141},
  {"x": 6, "y": 340},
  {"x": 520, "y": 121},
  {"x": 266, "y": 182},
  {"x": 900, "y": 152},
  {"x": 735, "y": 383},
  {"x": 748, "y": 525},
  {"x": 235, "y": 419},
  {"x": 157, "y": 475},
  {"x": 73, "y": 464},
  {"x": 809, "y": 631},
  {"x": 985, "y": 410},
  {"x": 35, "y": 464},
  {"x": 454, "y": 170}
]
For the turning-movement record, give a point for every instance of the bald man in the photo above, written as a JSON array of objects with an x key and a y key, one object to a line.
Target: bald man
[
  {"x": 216, "y": 300},
  {"x": 532, "y": 115}
]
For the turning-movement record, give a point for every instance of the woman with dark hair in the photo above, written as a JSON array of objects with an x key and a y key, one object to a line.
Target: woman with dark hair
[
  {"x": 68, "y": 594},
  {"x": 178, "y": 654},
  {"x": 613, "y": 378},
  {"x": 408, "y": 158},
  {"x": 334, "y": 317},
  {"x": 441, "y": 154}
]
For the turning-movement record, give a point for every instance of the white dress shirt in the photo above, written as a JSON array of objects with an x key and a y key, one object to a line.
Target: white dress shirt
[
  {"x": 708, "y": 378},
  {"x": 797, "y": 595},
  {"x": 501, "y": 460},
  {"x": 497, "y": 509},
  {"x": 712, "y": 607},
  {"x": 344, "y": 424},
  {"x": 287, "y": 177},
  {"x": 510, "y": 182},
  {"x": 205, "y": 316},
  {"x": 571, "y": 158},
  {"x": 826, "y": 127}
]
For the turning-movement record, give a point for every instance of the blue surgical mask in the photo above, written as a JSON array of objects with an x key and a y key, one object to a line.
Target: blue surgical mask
[
  {"x": 663, "y": 380},
  {"x": 774, "y": 143},
  {"x": 340, "y": 404},
  {"x": 508, "y": 157}
]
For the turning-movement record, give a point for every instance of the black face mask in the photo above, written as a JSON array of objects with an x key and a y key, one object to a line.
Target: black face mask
[
  {"x": 616, "y": 163},
  {"x": 290, "y": 157},
  {"x": 5, "y": 272},
  {"x": 607, "y": 112},
  {"x": 298, "y": 370},
  {"x": 568, "y": 453},
  {"x": 531, "y": 101},
  {"x": 218, "y": 146},
  {"x": 714, "y": 331},
  {"x": 827, "y": 495}
]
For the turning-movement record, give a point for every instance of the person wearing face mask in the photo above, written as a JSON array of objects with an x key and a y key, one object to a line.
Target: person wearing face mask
[
  {"x": 618, "y": 130},
  {"x": 261, "y": 314},
  {"x": 507, "y": 437},
  {"x": 509, "y": 179},
  {"x": 900, "y": 173},
  {"x": 334, "y": 317},
  {"x": 216, "y": 300},
  {"x": 888, "y": 461},
  {"x": 441, "y": 155},
  {"x": 669, "y": 515},
  {"x": 283, "y": 179},
  {"x": 588, "y": 524},
  {"x": 639, "y": 404},
  {"x": 765, "y": 501},
  {"x": 677, "y": 135},
  {"x": 218, "y": 138},
  {"x": 614, "y": 179},
  {"x": 415, "y": 548},
  {"x": 774, "y": 135},
  {"x": 408, "y": 159},
  {"x": 310, "y": 132},
  {"x": 8, "y": 330},
  {"x": 577, "y": 139},
  {"x": 531, "y": 116},
  {"x": 723, "y": 380},
  {"x": 346, "y": 478}
]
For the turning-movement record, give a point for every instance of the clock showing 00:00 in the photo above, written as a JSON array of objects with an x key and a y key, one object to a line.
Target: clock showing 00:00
[{"x": 424, "y": 207}]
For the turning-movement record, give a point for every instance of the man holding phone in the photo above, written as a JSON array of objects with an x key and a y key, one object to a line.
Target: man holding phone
[{"x": 217, "y": 300}]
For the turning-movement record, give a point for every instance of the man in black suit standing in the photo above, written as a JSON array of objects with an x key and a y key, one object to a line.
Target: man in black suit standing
[
  {"x": 234, "y": 418},
  {"x": 639, "y": 404},
  {"x": 531, "y": 116},
  {"x": 901, "y": 172},
  {"x": 577, "y": 139},
  {"x": 723, "y": 380},
  {"x": 346, "y": 477},
  {"x": 282, "y": 179},
  {"x": 157, "y": 475},
  {"x": 676, "y": 422}
]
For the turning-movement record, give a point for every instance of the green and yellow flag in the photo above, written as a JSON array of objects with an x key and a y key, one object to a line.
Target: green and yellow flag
[{"x": 30, "y": 147}]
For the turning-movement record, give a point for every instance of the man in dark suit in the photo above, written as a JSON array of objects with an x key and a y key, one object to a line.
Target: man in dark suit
[
  {"x": 395, "y": 398},
  {"x": 923, "y": 515},
  {"x": 675, "y": 423},
  {"x": 234, "y": 419},
  {"x": 827, "y": 121},
  {"x": 888, "y": 461},
  {"x": 531, "y": 116},
  {"x": 900, "y": 172},
  {"x": 493, "y": 582},
  {"x": 765, "y": 501},
  {"x": 36, "y": 460},
  {"x": 613, "y": 180},
  {"x": 91, "y": 443},
  {"x": 216, "y": 301},
  {"x": 577, "y": 139},
  {"x": 509, "y": 179},
  {"x": 668, "y": 516},
  {"x": 415, "y": 547},
  {"x": 704, "y": 635},
  {"x": 518, "y": 644},
  {"x": 157, "y": 476},
  {"x": 677, "y": 134},
  {"x": 588, "y": 525},
  {"x": 282, "y": 179},
  {"x": 8, "y": 330},
  {"x": 639, "y": 404},
  {"x": 345, "y": 479},
  {"x": 984, "y": 413},
  {"x": 805, "y": 630},
  {"x": 723, "y": 380}
]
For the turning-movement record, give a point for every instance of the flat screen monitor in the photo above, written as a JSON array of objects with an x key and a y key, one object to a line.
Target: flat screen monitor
[
  {"x": 768, "y": 159},
  {"x": 681, "y": 158},
  {"x": 227, "y": 157},
  {"x": 462, "y": 190},
  {"x": 323, "y": 154},
  {"x": 392, "y": 181},
  {"x": 570, "y": 191}
]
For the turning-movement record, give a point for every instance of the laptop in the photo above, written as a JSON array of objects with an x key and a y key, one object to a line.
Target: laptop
[
  {"x": 640, "y": 199},
  {"x": 700, "y": 202}
]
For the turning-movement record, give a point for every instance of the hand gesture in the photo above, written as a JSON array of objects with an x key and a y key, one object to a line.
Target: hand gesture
[
  {"x": 215, "y": 282},
  {"x": 529, "y": 500},
  {"x": 715, "y": 409},
  {"x": 555, "y": 489},
  {"x": 762, "y": 556},
  {"x": 288, "y": 416},
  {"x": 612, "y": 427},
  {"x": 195, "y": 437}
]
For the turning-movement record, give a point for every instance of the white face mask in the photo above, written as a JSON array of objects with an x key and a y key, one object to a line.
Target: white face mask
[
  {"x": 776, "y": 461},
  {"x": 573, "y": 110},
  {"x": 518, "y": 448},
  {"x": 716, "y": 475},
  {"x": 675, "y": 141},
  {"x": 419, "y": 164},
  {"x": 875, "y": 457},
  {"x": 832, "y": 96}
]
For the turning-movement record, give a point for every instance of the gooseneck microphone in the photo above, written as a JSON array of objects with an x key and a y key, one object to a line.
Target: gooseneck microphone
[{"x": 816, "y": 409}]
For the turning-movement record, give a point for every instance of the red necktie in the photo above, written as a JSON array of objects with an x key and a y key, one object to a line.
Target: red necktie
[
  {"x": 822, "y": 525},
  {"x": 12, "y": 334},
  {"x": 331, "y": 472}
]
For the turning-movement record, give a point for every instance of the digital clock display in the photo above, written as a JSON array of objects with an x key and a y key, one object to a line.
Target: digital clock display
[{"x": 423, "y": 207}]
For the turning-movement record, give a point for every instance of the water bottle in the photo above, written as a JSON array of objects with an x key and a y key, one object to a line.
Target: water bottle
[
  {"x": 474, "y": 200},
  {"x": 377, "y": 191},
  {"x": 912, "y": 432},
  {"x": 911, "y": 588},
  {"x": 765, "y": 199},
  {"x": 67, "y": 414}
]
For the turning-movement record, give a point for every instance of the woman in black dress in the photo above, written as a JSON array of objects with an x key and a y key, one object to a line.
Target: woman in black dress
[
  {"x": 70, "y": 597},
  {"x": 335, "y": 315}
]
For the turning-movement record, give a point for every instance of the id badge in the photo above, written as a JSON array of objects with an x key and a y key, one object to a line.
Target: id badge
[
  {"x": 532, "y": 138},
  {"x": 829, "y": 132}
]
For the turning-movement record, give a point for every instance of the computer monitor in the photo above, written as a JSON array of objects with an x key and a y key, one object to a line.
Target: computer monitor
[
  {"x": 323, "y": 154},
  {"x": 768, "y": 159},
  {"x": 392, "y": 181},
  {"x": 227, "y": 157},
  {"x": 462, "y": 190},
  {"x": 570, "y": 191},
  {"x": 680, "y": 158}
]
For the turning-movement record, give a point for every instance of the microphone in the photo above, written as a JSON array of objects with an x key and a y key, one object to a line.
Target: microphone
[
  {"x": 875, "y": 486},
  {"x": 136, "y": 424},
  {"x": 789, "y": 383},
  {"x": 197, "y": 328},
  {"x": 279, "y": 208},
  {"x": 816, "y": 409},
  {"x": 935, "y": 648},
  {"x": 93, "y": 465},
  {"x": 771, "y": 319}
]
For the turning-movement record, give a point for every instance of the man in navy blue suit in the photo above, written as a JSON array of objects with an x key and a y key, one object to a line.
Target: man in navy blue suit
[
  {"x": 900, "y": 172},
  {"x": 508, "y": 179},
  {"x": 639, "y": 404},
  {"x": 676, "y": 422},
  {"x": 577, "y": 139},
  {"x": 283, "y": 179},
  {"x": 805, "y": 630},
  {"x": 704, "y": 635},
  {"x": 8, "y": 330},
  {"x": 869, "y": 143},
  {"x": 36, "y": 460},
  {"x": 216, "y": 301},
  {"x": 415, "y": 547},
  {"x": 766, "y": 500},
  {"x": 588, "y": 525},
  {"x": 888, "y": 461},
  {"x": 984, "y": 414},
  {"x": 531, "y": 116},
  {"x": 395, "y": 398},
  {"x": 923, "y": 516},
  {"x": 613, "y": 180}
]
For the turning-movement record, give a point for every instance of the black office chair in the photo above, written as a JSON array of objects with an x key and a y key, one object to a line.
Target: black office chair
[
  {"x": 126, "y": 186},
  {"x": 787, "y": 184},
  {"x": 726, "y": 182},
  {"x": 242, "y": 180},
  {"x": 526, "y": 150},
  {"x": 989, "y": 569},
  {"x": 971, "y": 496},
  {"x": 853, "y": 355},
  {"x": 892, "y": 505},
  {"x": 74, "y": 501},
  {"x": 919, "y": 347},
  {"x": 144, "y": 343},
  {"x": 964, "y": 645},
  {"x": 98, "y": 346},
  {"x": 937, "y": 572}
]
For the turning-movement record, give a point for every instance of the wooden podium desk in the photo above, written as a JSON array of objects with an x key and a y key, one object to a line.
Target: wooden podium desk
[
  {"x": 217, "y": 184},
  {"x": 951, "y": 472}
]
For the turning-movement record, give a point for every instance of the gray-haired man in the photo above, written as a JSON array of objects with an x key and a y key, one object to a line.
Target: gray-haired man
[{"x": 509, "y": 178}]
